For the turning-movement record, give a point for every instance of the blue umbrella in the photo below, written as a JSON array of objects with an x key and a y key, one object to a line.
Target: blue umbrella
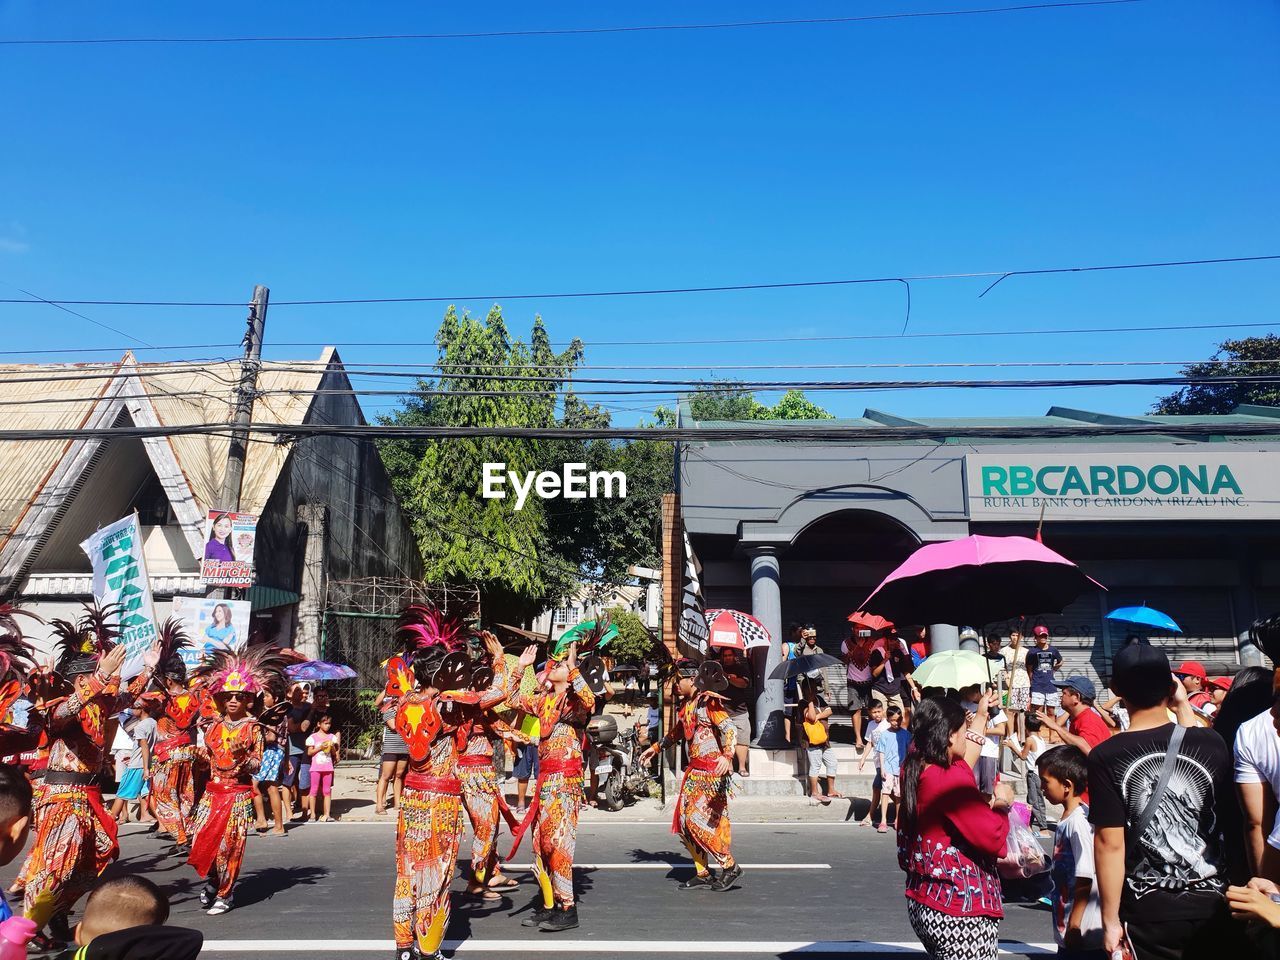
[
  {"x": 1145, "y": 616},
  {"x": 317, "y": 670}
]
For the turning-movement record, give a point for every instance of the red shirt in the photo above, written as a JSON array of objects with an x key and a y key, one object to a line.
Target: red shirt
[
  {"x": 1090, "y": 726},
  {"x": 951, "y": 861}
]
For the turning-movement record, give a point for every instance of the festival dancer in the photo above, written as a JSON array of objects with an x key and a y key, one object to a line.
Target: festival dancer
[
  {"x": 563, "y": 708},
  {"x": 233, "y": 748},
  {"x": 75, "y": 838},
  {"x": 429, "y": 817},
  {"x": 481, "y": 792},
  {"x": 172, "y": 774},
  {"x": 702, "y": 809}
]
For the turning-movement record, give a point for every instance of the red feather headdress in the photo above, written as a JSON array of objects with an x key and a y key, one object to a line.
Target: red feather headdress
[
  {"x": 429, "y": 626},
  {"x": 249, "y": 672}
]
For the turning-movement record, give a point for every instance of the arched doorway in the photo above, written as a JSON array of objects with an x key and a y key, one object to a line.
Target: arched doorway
[{"x": 834, "y": 563}]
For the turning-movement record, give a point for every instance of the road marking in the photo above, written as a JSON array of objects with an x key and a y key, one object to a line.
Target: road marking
[
  {"x": 550, "y": 945},
  {"x": 670, "y": 864}
]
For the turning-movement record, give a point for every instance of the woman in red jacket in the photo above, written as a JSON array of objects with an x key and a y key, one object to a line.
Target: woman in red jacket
[{"x": 949, "y": 837}]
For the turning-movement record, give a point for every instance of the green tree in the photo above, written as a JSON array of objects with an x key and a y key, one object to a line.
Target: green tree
[
  {"x": 1256, "y": 356},
  {"x": 634, "y": 641},
  {"x": 728, "y": 400}
]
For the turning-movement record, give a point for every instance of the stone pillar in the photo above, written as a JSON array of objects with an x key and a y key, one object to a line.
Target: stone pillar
[
  {"x": 315, "y": 559},
  {"x": 766, "y": 606},
  {"x": 943, "y": 636},
  {"x": 1244, "y": 611}
]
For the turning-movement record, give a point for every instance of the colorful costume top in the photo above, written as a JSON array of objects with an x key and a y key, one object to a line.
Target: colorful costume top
[
  {"x": 562, "y": 718},
  {"x": 482, "y": 724},
  {"x": 704, "y": 723},
  {"x": 234, "y": 749},
  {"x": 78, "y": 723},
  {"x": 431, "y": 752},
  {"x": 399, "y": 676}
]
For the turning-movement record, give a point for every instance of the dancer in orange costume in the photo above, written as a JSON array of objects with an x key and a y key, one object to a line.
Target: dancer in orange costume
[
  {"x": 233, "y": 748},
  {"x": 481, "y": 791},
  {"x": 172, "y": 773},
  {"x": 702, "y": 809},
  {"x": 429, "y": 819},
  {"x": 76, "y": 837},
  {"x": 563, "y": 707}
]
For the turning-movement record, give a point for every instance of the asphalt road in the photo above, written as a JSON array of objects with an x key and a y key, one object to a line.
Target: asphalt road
[{"x": 829, "y": 888}]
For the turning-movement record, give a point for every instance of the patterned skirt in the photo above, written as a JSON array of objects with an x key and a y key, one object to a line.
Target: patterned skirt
[{"x": 945, "y": 937}]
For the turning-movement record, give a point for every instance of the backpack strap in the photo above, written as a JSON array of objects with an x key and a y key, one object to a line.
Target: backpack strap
[{"x": 1162, "y": 785}]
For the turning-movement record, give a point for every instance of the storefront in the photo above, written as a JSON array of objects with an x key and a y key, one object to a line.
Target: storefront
[{"x": 803, "y": 531}]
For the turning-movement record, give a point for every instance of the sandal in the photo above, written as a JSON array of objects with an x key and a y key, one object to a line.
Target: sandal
[
  {"x": 484, "y": 893},
  {"x": 506, "y": 883}
]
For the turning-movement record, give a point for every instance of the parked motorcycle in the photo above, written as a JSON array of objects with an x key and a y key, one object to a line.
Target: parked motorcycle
[{"x": 623, "y": 777}]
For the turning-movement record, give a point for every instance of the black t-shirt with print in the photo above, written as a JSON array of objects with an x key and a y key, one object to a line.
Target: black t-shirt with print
[
  {"x": 1177, "y": 869},
  {"x": 889, "y": 681}
]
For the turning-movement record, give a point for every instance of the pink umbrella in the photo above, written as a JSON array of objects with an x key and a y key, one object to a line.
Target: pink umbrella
[
  {"x": 979, "y": 580},
  {"x": 733, "y": 628}
]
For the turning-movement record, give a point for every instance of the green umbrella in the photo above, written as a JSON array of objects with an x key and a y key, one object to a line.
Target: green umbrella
[{"x": 952, "y": 670}]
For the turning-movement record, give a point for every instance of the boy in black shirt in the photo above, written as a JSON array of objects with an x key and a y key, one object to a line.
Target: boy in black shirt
[{"x": 1161, "y": 874}]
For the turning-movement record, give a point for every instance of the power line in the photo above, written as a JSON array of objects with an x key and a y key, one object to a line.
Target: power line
[
  {"x": 662, "y": 291},
  {"x": 97, "y": 323},
  {"x": 792, "y": 432},
  {"x": 569, "y": 31}
]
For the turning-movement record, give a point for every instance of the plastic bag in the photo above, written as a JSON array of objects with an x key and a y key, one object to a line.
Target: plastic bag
[{"x": 1024, "y": 857}]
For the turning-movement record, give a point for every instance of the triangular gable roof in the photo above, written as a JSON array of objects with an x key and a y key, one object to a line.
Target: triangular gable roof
[{"x": 39, "y": 477}]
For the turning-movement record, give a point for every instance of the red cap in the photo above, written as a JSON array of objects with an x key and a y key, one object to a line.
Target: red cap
[
  {"x": 1040, "y": 631},
  {"x": 1192, "y": 668},
  {"x": 1221, "y": 682}
]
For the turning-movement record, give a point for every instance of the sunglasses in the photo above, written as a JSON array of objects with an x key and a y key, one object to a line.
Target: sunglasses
[{"x": 237, "y": 695}]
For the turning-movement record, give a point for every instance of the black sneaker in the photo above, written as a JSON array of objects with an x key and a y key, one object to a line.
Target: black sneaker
[
  {"x": 408, "y": 953},
  {"x": 727, "y": 879},
  {"x": 538, "y": 916},
  {"x": 562, "y": 918},
  {"x": 207, "y": 896},
  {"x": 697, "y": 880}
]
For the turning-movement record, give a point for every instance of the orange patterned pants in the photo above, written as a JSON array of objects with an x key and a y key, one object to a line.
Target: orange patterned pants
[
  {"x": 428, "y": 831},
  {"x": 173, "y": 793},
  {"x": 555, "y": 835},
  {"x": 71, "y": 847},
  {"x": 480, "y": 795},
  {"x": 702, "y": 812}
]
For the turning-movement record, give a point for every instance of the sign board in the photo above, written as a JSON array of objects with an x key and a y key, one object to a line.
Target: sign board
[
  {"x": 693, "y": 620},
  {"x": 228, "y": 549},
  {"x": 213, "y": 626},
  {"x": 120, "y": 578},
  {"x": 1207, "y": 485}
]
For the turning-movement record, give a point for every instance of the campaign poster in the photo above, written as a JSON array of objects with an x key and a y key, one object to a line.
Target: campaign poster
[
  {"x": 228, "y": 549},
  {"x": 120, "y": 580},
  {"x": 213, "y": 625}
]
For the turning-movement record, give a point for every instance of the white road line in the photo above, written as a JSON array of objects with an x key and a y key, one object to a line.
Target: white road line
[
  {"x": 553, "y": 945},
  {"x": 669, "y": 864}
]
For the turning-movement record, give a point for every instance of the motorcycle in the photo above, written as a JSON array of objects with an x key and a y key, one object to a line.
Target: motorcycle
[{"x": 623, "y": 777}]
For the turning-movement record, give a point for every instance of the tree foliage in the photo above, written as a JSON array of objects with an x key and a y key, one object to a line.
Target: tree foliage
[
  {"x": 634, "y": 641},
  {"x": 1258, "y": 356},
  {"x": 728, "y": 400}
]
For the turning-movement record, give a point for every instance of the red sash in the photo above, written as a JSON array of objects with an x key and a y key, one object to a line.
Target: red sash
[
  {"x": 570, "y": 766},
  {"x": 704, "y": 764},
  {"x": 421, "y": 781},
  {"x": 475, "y": 760},
  {"x": 222, "y": 798},
  {"x": 105, "y": 820},
  {"x": 166, "y": 747}
]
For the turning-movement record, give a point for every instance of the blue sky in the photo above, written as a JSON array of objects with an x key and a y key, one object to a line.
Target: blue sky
[{"x": 1047, "y": 138}]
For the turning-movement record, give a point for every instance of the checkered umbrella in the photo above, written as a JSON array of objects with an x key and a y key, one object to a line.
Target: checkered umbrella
[{"x": 733, "y": 628}]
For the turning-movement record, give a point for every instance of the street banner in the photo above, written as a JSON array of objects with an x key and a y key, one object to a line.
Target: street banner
[
  {"x": 228, "y": 549},
  {"x": 120, "y": 577},
  {"x": 693, "y": 620},
  {"x": 213, "y": 625}
]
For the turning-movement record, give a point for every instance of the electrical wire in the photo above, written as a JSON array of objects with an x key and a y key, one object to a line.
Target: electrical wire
[
  {"x": 662, "y": 291},
  {"x": 571, "y": 31}
]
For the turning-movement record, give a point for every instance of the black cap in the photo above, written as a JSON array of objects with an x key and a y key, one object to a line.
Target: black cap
[{"x": 1141, "y": 672}]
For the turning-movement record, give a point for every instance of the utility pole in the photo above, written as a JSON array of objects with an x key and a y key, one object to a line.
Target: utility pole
[
  {"x": 250, "y": 363},
  {"x": 242, "y": 415}
]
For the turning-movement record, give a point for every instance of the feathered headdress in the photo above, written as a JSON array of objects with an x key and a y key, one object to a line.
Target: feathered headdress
[
  {"x": 590, "y": 635},
  {"x": 427, "y": 625},
  {"x": 172, "y": 640},
  {"x": 84, "y": 643},
  {"x": 15, "y": 653},
  {"x": 249, "y": 672}
]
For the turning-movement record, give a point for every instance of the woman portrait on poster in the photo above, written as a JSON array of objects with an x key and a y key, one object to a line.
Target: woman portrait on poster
[
  {"x": 219, "y": 545},
  {"x": 220, "y": 634}
]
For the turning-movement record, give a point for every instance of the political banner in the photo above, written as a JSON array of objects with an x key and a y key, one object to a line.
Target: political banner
[
  {"x": 228, "y": 549},
  {"x": 213, "y": 625},
  {"x": 120, "y": 578},
  {"x": 693, "y": 632}
]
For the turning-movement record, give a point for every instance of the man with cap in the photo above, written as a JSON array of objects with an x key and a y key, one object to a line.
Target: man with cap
[
  {"x": 1155, "y": 792},
  {"x": 1194, "y": 678},
  {"x": 702, "y": 811},
  {"x": 1085, "y": 727},
  {"x": 1043, "y": 661}
]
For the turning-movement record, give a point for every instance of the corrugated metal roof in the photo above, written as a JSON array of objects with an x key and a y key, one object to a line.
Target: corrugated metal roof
[{"x": 27, "y": 465}]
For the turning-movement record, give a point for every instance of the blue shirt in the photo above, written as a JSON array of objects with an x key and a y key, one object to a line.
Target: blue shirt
[{"x": 1042, "y": 664}]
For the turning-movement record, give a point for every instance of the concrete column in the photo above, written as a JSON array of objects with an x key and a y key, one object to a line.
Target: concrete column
[
  {"x": 1244, "y": 612},
  {"x": 766, "y": 606},
  {"x": 315, "y": 560},
  {"x": 943, "y": 636}
]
